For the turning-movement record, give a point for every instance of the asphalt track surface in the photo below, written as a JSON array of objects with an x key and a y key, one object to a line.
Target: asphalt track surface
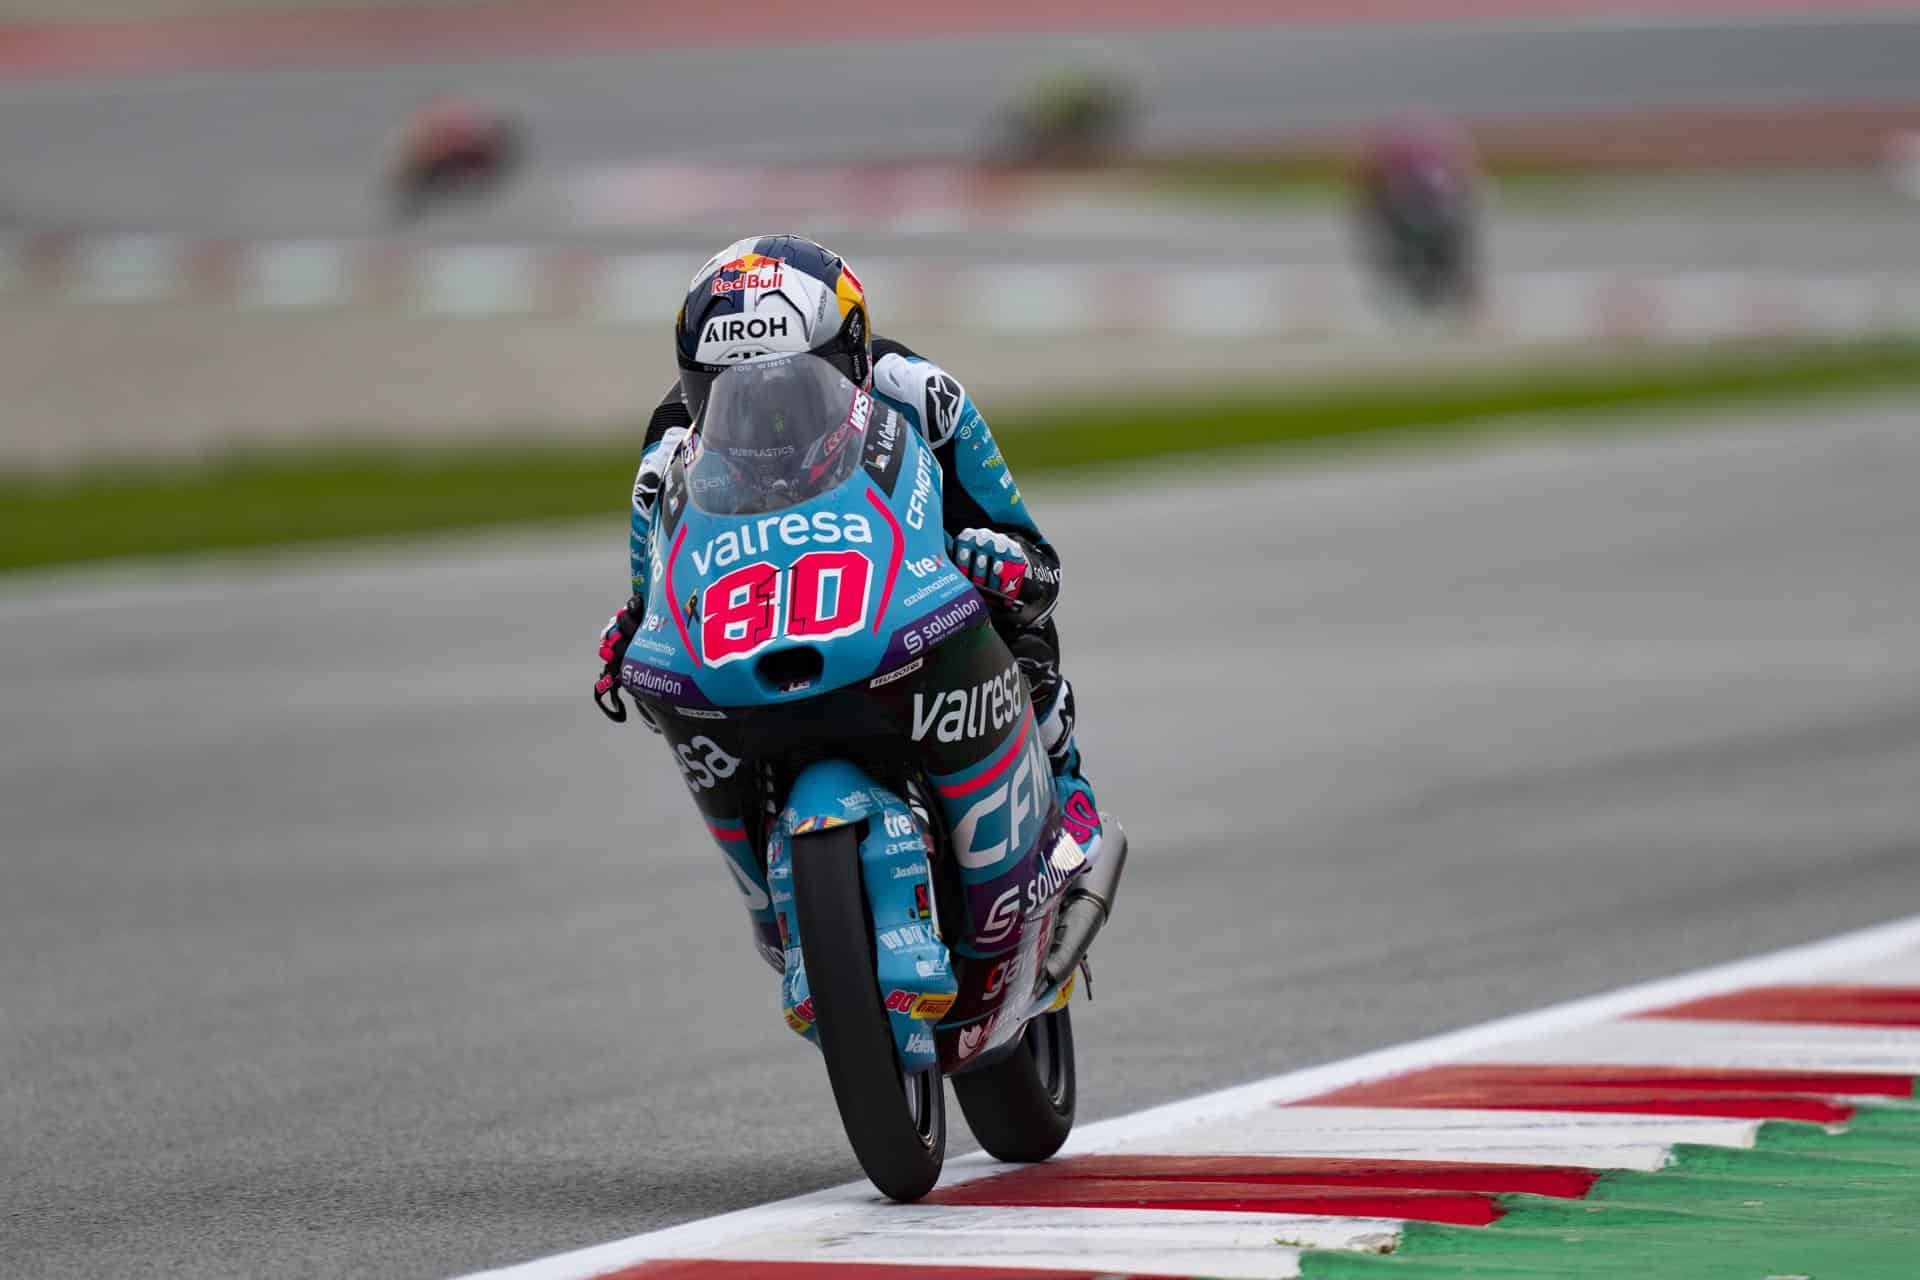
[
  {"x": 295, "y": 152},
  {"x": 341, "y": 936}
]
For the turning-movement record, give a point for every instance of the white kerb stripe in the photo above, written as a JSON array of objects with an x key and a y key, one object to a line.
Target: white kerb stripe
[
  {"x": 1597, "y": 1140},
  {"x": 1902, "y": 970},
  {"x": 1177, "y": 1242},
  {"x": 1757, "y": 1046}
]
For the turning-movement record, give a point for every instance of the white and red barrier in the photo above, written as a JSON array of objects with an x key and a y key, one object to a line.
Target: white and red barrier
[{"x": 1283, "y": 303}]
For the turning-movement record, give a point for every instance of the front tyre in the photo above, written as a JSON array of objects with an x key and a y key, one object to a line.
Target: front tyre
[
  {"x": 1021, "y": 1107},
  {"x": 897, "y": 1123}
]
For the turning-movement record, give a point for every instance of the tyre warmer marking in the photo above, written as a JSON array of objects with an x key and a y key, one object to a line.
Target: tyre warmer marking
[
  {"x": 893, "y": 558},
  {"x": 1756, "y": 1120}
]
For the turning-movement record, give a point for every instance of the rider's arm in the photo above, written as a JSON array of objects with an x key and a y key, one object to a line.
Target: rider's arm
[
  {"x": 667, "y": 428},
  {"x": 979, "y": 489}
]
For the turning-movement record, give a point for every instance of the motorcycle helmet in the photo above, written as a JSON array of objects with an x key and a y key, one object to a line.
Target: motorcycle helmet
[{"x": 771, "y": 296}]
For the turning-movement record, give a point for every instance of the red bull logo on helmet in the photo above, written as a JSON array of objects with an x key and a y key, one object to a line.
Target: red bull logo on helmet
[{"x": 750, "y": 271}]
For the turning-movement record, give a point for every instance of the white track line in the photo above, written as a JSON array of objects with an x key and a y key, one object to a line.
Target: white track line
[
  {"x": 1759, "y": 1046},
  {"x": 1595, "y": 1140},
  {"x": 1175, "y": 1123},
  {"x": 1180, "y": 1242},
  {"x": 1894, "y": 971}
]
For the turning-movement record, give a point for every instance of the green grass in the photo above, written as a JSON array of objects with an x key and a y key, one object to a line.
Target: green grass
[
  {"x": 1399, "y": 407},
  {"x": 272, "y": 499}
]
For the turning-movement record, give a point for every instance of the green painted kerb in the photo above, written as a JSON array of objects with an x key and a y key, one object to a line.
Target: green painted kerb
[{"x": 1802, "y": 1203}]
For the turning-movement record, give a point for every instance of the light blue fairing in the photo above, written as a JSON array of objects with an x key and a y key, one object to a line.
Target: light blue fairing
[
  {"x": 879, "y": 592},
  {"x": 885, "y": 569},
  {"x": 914, "y": 968}
]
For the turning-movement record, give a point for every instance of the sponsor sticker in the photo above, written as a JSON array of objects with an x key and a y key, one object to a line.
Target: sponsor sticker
[
  {"x": 750, "y": 271},
  {"x": 1006, "y": 817},
  {"x": 756, "y": 538},
  {"x": 641, "y": 679},
  {"x": 906, "y": 935},
  {"x": 705, "y": 763},
  {"x": 898, "y": 673},
  {"x": 961, "y": 715},
  {"x": 931, "y": 1008},
  {"x": 942, "y": 624},
  {"x": 650, "y": 645},
  {"x": 922, "y": 490},
  {"x": 945, "y": 582},
  {"x": 725, "y": 329}
]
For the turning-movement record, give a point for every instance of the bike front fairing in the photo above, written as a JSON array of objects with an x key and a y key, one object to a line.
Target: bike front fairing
[
  {"x": 786, "y": 543},
  {"x": 803, "y": 607}
]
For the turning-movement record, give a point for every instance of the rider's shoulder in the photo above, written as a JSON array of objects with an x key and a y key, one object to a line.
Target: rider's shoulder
[
  {"x": 654, "y": 462},
  {"x": 934, "y": 396}
]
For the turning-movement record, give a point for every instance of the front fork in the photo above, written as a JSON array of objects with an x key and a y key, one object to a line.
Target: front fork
[{"x": 912, "y": 965}]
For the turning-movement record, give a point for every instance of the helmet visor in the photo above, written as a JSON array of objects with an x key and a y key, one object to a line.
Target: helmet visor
[{"x": 777, "y": 433}]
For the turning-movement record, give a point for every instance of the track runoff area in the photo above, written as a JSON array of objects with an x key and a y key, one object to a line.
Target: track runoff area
[{"x": 1758, "y": 1119}]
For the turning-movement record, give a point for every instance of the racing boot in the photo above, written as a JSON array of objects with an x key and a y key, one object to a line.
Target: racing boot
[{"x": 1089, "y": 901}]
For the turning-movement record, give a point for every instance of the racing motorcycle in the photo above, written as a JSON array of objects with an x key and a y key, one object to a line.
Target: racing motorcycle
[
  {"x": 1418, "y": 214},
  {"x": 862, "y": 745}
]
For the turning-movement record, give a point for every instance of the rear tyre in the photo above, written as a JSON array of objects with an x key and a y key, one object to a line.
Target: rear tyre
[
  {"x": 896, "y": 1122},
  {"x": 1021, "y": 1107}
]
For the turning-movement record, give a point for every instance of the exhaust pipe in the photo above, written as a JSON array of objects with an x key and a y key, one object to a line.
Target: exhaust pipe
[{"x": 1087, "y": 908}]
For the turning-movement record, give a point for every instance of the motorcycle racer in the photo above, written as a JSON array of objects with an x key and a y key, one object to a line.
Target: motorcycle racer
[
  {"x": 1418, "y": 212},
  {"x": 771, "y": 296}
]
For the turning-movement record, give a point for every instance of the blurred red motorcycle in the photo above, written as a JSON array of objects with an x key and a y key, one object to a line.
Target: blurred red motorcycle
[{"x": 451, "y": 146}]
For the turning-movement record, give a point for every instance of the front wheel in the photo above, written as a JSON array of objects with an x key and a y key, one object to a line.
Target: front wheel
[
  {"x": 1021, "y": 1107},
  {"x": 896, "y": 1122}
]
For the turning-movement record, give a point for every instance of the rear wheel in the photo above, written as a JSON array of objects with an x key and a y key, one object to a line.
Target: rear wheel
[
  {"x": 1021, "y": 1107},
  {"x": 896, "y": 1122}
]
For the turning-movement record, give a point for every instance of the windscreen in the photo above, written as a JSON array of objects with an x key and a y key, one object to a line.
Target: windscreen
[{"x": 776, "y": 433}]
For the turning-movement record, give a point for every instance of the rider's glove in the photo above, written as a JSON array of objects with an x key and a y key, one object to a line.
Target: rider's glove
[
  {"x": 1011, "y": 573},
  {"x": 613, "y": 651}
]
